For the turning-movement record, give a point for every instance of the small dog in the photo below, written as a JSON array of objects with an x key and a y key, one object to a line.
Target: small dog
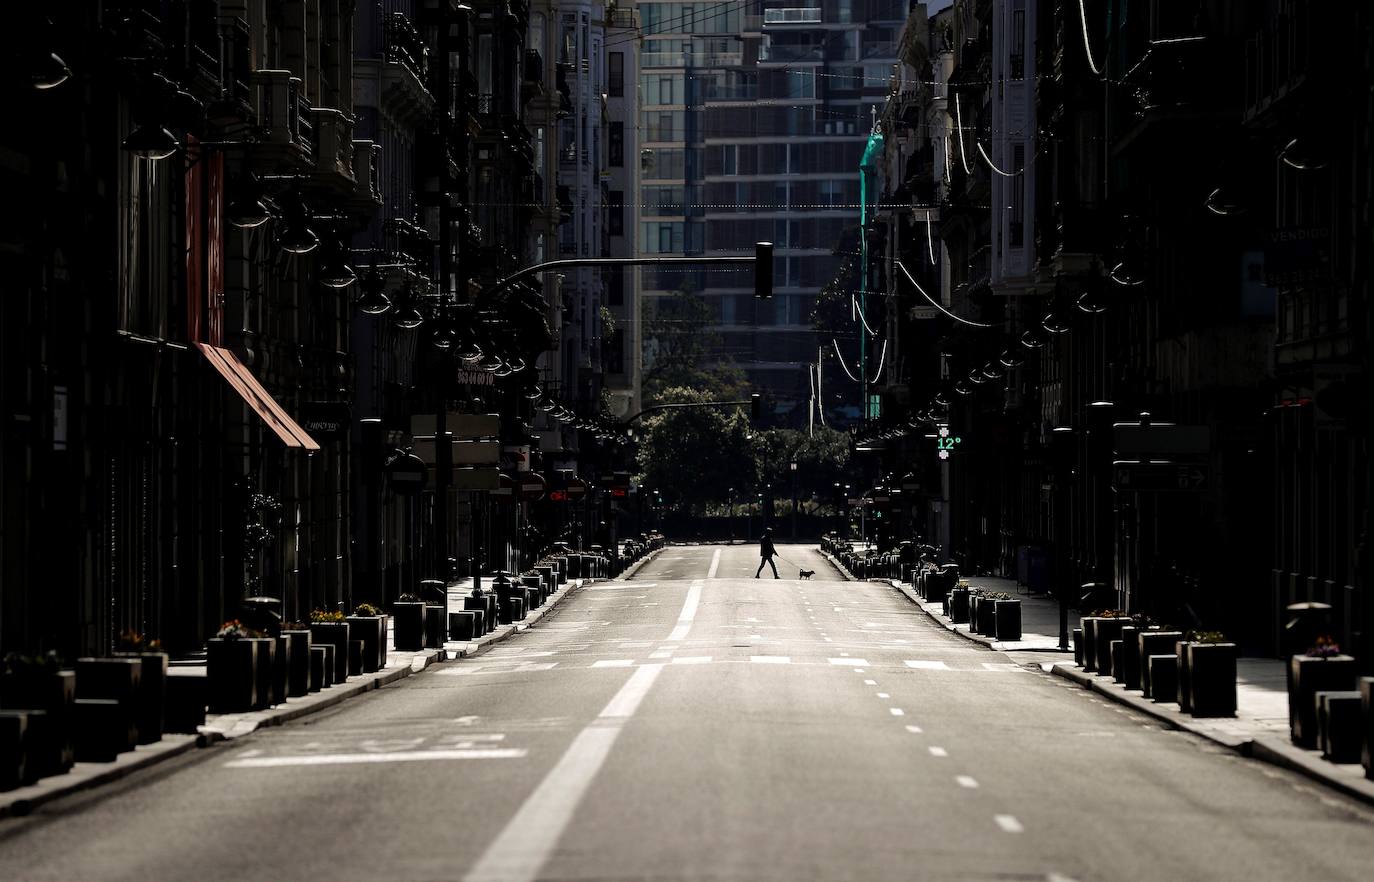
[{"x": 806, "y": 574}]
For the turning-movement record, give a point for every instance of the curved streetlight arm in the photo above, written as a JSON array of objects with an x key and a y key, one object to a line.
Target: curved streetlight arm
[
  {"x": 573, "y": 262},
  {"x": 686, "y": 404}
]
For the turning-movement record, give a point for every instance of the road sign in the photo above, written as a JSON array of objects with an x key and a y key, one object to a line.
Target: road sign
[
  {"x": 408, "y": 474},
  {"x": 479, "y": 478},
  {"x": 577, "y": 488},
  {"x": 1138, "y": 477},
  {"x": 463, "y": 452},
  {"x": 531, "y": 486},
  {"x": 1131, "y": 440}
]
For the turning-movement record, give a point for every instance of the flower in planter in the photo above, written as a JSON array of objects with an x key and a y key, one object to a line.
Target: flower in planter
[
  {"x": 295, "y": 626},
  {"x": 27, "y": 665},
  {"x": 998, "y": 595},
  {"x": 366, "y": 609},
  {"x": 236, "y": 630},
  {"x": 322, "y": 616},
  {"x": 1325, "y": 647},
  {"x": 409, "y": 598},
  {"x": 132, "y": 641},
  {"x": 1206, "y": 637}
]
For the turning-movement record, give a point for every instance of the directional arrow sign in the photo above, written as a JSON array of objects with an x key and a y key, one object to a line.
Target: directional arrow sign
[{"x": 1133, "y": 476}]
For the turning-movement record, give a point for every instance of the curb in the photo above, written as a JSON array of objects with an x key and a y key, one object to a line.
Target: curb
[
  {"x": 226, "y": 727},
  {"x": 848, "y": 576},
  {"x": 1269, "y": 750},
  {"x": 989, "y": 642},
  {"x": 84, "y": 776}
]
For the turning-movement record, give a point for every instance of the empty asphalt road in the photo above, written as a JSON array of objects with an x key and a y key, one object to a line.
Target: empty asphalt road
[{"x": 694, "y": 723}]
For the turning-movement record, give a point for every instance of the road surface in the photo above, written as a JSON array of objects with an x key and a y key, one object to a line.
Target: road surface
[{"x": 694, "y": 723}]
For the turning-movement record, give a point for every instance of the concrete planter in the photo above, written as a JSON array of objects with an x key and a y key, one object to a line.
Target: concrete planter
[
  {"x": 231, "y": 666},
  {"x": 1163, "y": 676},
  {"x": 462, "y": 625},
  {"x": 371, "y": 630},
  {"x": 51, "y": 750},
  {"x": 152, "y": 694},
  {"x": 987, "y": 616},
  {"x": 478, "y": 607},
  {"x": 104, "y": 729},
  {"x": 337, "y": 635},
  {"x": 434, "y": 627},
  {"x": 16, "y": 742},
  {"x": 187, "y": 696},
  {"x": 1008, "y": 616},
  {"x": 1077, "y": 635},
  {"x": 1212, "y": 679},
  {"x": 959, "y": 603},
  {"x": 1130, "y": 658},
  {"x": 409, "y": 626},
  {"x": 1089, "y": 626},
  {"x": 118, "y": 679},
  {"x": 1105, "y": 631},
  {"x": 1367, "y": 725},
  {"x": 1338, "y": 726},
  {"x": 1183, "y": 693},
  {"x": 1306, "y": 677},
  {"x": 321, "y": 666},
  {"x": 297, "y": 663},
  {"x": 266, "y": 670},
  {"x": 1154, "y": 642}
]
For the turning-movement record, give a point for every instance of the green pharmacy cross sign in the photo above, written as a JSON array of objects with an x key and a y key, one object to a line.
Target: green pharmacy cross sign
[{"x": 945, "y": 442}]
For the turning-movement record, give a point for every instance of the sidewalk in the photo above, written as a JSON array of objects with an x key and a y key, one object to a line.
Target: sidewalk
[
  {"x": 219, "y": 727},
  {"x": 1259, "y": 729}
]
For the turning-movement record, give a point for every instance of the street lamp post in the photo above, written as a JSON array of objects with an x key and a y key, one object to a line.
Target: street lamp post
[{"x": 792, "y": 467}]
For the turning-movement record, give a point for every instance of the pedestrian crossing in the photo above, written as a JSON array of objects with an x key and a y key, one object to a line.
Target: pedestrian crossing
[{"x": 516, "y": 666}]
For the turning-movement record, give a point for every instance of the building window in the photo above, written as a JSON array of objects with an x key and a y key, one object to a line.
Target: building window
[
  {"x": 1018, "y": 40},
  {"x": 615, "y": 212},
  {"x": 1018, "y": 197},
  {"x": 615, "y": 64},
  {"x": 615, "y": 285},
  {"x": 729, "y": 155},
  {"x": 615, "y": 148}
]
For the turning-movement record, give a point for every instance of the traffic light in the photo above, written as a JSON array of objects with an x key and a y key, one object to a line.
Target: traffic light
[
  {"x": 763, "y": 270},
  {"x": 755, "y": 408}
]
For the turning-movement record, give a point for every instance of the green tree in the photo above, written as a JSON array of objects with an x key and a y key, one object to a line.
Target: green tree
[
  {"x": 683, "y": 350},
  {"x": 694, "y": 455},
  {"x": 821, "y": 461}
]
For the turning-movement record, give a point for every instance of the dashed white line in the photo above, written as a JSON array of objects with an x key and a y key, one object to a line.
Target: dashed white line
[
  {"x": 689, "y": 612},
  {"x": 870, "y": 682},
  {"x": 1009, "y": 824},
  {"x": 926, "y": 665},
  {"x": 914, "y": 730},
  {"x": 613, "y": 663},
  {"x": 715, "y": 565},
  {"x": 661, "y": 653},
  {"x": 883, "y": 695},
  {"x": 771, "y": 659},
  {"x": 849, "y": 661},
  {"x": 896, "y": 711},
  {"x": 938, "y": 751},
  {"x": 966, "y": 781},
  {"x": 692, "y": 660}
]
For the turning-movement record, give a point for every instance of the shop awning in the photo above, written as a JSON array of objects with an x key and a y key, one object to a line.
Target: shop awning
[{"x": 242, "y": 381}]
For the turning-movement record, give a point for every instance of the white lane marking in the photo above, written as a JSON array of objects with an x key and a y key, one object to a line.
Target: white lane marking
[
  {"x": 927, "y": 665},
  {"x": 692, "y": 660},
  {"x": 837, "y": 609},
  {"x": 896, "y": 711},
  {"x": 524, "y": 845},
  {"x": 715, "y": 565},
  {"x": 852, "y": 662},
  {"x": 858, "y": 670},
  {"x": 339, "y": 759},
  {"x": 755, "y": 636},
  {"x": 771, "y": 659},
  {"x": 883, "y": 695},
  {"x": 966, "y": 781},
  {"x": 870, "y": 682},
  {"x": 826, "y": 639},
  {"x": 938, "y": 751},
  {"x": 844, "y": 654},
  {"x": 497, "y": 668},
  {"x": 1009, "y": 824},
  {"x": 613, "y": 663},
  {"x": 1059, "y": 877},
  {"x": 662, "y": 653},
  {"x": 636, "y": 644},
  {"x": 689, "y": 612},
  {"x": 627, "y": 700},
  {"x": 1002, "y": 666},
  {"x": 914, "y": 730}
]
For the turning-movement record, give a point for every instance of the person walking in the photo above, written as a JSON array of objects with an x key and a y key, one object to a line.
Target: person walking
[{"x": 766, "y": 552}]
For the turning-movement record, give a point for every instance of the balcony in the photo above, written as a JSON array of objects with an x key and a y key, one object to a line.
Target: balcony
[
  {"x": 564, "y": 202},
  {"x": 1278, "y": 59},
  {"x": 367, "y": 174},
  {"x": 284, "y": 118},
  {"x": 1177, "y": 74},
  {"x": 770, "y": 53},
  {"x": 795, "y": 16},
  {"x": 333, "y": 147}
]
